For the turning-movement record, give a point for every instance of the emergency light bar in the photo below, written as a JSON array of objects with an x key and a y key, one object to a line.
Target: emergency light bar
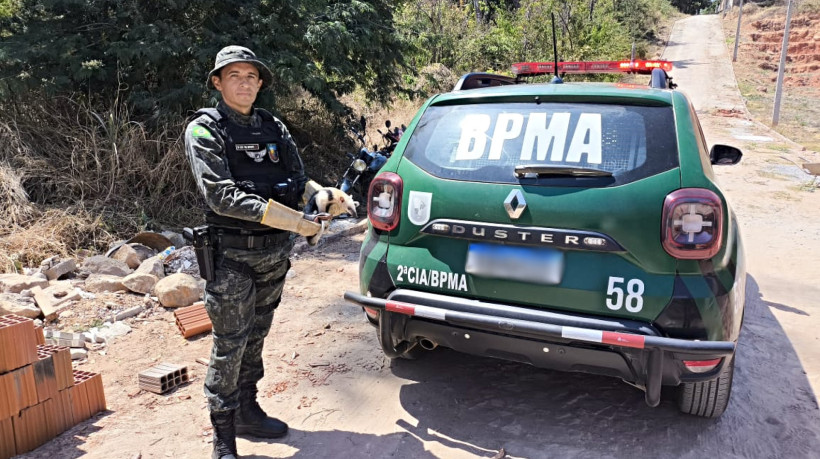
[{"x": 527, "y": 69}]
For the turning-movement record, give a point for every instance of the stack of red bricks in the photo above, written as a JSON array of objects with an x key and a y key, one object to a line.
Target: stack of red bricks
[{"x": 41, "y": 396}]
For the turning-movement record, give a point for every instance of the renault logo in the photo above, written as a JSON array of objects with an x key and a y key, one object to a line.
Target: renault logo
[{"x": 515, "y": 204}]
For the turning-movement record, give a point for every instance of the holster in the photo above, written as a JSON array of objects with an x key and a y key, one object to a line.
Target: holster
[{"x": 200, "y": 239}]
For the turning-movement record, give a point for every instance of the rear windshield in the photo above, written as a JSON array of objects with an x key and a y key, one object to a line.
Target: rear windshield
[{"x": 485, "y": 142}]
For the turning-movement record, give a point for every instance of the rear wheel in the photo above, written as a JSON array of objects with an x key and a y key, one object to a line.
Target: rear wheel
[{"x": 708, "y": 398}]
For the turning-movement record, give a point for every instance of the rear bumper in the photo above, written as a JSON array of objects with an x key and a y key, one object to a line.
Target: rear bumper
[{"x": 631, "y": 350}]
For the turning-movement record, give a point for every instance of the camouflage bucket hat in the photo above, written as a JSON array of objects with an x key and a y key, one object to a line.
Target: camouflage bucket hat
[{"x": 231, "y": 54}]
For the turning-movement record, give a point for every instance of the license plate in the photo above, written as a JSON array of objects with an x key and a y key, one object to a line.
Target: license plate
[{"x": 542, "y": 266}]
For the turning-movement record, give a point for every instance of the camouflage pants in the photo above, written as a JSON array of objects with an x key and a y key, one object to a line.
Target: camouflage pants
[{"x": 241, "y": 309}]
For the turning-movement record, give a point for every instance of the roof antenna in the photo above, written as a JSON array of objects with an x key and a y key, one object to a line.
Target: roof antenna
[{"x": 556, "y": 78}]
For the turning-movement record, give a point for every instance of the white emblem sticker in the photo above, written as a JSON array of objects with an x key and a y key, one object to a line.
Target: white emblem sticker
[
  {"x": 431, "y": 278},
  {"x": 418, "y": 209}
]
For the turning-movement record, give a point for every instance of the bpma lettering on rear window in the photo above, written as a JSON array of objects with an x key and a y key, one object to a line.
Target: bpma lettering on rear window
[
  {"x": 485, "y": 142},
  {"x": 539, "y": 136}
]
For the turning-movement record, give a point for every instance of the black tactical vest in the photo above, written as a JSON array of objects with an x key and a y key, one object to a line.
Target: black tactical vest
[{"x": 259, "y": 163}]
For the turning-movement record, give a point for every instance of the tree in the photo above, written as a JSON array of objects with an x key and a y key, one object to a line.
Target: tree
[
  {"x": 691, "y": 6},
  {"x": 156, "y": 53}
]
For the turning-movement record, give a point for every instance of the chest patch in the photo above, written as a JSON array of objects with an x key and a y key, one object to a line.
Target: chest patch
[
  {"x": 273, "y": 152},
  {"x": 247, "y": 147}
]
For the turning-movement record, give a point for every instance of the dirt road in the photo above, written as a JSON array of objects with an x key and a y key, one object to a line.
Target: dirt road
[{"x": 342, "y": 398}]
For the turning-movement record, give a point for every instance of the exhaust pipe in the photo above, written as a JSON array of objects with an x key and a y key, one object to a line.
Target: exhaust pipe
[{"x": 427, "y": 344}]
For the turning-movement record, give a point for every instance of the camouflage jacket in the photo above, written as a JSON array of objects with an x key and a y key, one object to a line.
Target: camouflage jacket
[{"x": 205, "y": 150}]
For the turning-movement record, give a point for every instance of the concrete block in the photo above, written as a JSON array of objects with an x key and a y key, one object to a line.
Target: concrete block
[
  {"x": 128, "y": 313},
  {"x": 72, "y": 343},
  {"x": 163, "y": 377},
  {"x": 78, "y": 354},
  {"x": 63, "y": 335}
]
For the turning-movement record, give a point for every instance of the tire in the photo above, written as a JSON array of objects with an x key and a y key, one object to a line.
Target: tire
[{"x": 708, "y": 399}]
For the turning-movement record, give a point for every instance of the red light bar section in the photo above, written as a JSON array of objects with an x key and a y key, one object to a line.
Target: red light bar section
[
  {"x": 401, "y": 308},
  {"x": 546, "y": 68}
]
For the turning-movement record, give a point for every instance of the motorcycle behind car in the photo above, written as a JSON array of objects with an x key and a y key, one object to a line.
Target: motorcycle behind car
[{"x": 366, "y": 164}]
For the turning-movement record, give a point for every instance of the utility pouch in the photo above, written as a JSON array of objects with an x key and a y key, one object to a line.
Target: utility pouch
[
  {"x": 284, "y": 189},
  {"x": 204, "y": 250}
]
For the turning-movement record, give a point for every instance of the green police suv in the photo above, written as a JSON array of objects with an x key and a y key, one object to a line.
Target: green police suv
[{"x": 575, "y": 227}]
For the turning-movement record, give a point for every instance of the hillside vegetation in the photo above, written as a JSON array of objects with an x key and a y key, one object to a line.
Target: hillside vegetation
[{"x": 94, "y": 94}]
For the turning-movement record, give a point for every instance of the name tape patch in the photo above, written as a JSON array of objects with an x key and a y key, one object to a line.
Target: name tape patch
[{"x": 248, "y": 147}]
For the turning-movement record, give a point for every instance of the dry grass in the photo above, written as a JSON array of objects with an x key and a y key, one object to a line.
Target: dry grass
[
  {"x": 75, "y": 178},
  {"x": 54, "y": 232},
  {"x": 72, "y": 178}
]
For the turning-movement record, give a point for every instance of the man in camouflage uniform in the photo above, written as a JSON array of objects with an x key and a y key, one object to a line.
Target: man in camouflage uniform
[{"x": 248, "y": 169}]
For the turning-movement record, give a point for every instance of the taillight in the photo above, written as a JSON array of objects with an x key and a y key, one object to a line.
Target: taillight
[
  {"x": 701, "y": 366},
  {"x": 384, "y": 201},
  {"x": 692, "y": 223}
]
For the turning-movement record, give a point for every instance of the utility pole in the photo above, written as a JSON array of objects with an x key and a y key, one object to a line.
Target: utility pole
[
  {"x": 778, "y": 92},
  {"x": 737, "y": 33}
]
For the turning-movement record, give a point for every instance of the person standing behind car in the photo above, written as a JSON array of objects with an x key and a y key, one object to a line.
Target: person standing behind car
[{"x": 248, "y": 169}]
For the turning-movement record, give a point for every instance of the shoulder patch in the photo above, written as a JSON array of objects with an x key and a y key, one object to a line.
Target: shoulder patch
[{"x": 199, "y": 131}]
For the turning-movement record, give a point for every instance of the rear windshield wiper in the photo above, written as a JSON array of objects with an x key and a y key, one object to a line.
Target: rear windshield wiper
[{"x": 524, "y": 170}]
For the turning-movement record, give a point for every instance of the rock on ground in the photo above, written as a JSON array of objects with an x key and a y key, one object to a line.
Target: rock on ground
[
  {"x": 127, "y": 255},
  {"x": 16, "y": 283},
  {"x": 55, "y": 298},
  {"x": 103, "y": 265},
  {"x": 144, "y": 252},
  {"x": 140, "y": 282},
  {"x": 14, "y": 303},
  {"x": 104, "y": 283},
  {"x": 60, "y": 269},
  {"x": 178, "y": 290},
  {"x": 152, "y": 266}
]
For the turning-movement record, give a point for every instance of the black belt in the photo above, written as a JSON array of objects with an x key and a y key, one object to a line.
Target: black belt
[{"x": 250, "y": 241}]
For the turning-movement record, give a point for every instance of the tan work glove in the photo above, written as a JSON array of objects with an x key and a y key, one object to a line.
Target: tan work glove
[{"x": 280, "y": 216}]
